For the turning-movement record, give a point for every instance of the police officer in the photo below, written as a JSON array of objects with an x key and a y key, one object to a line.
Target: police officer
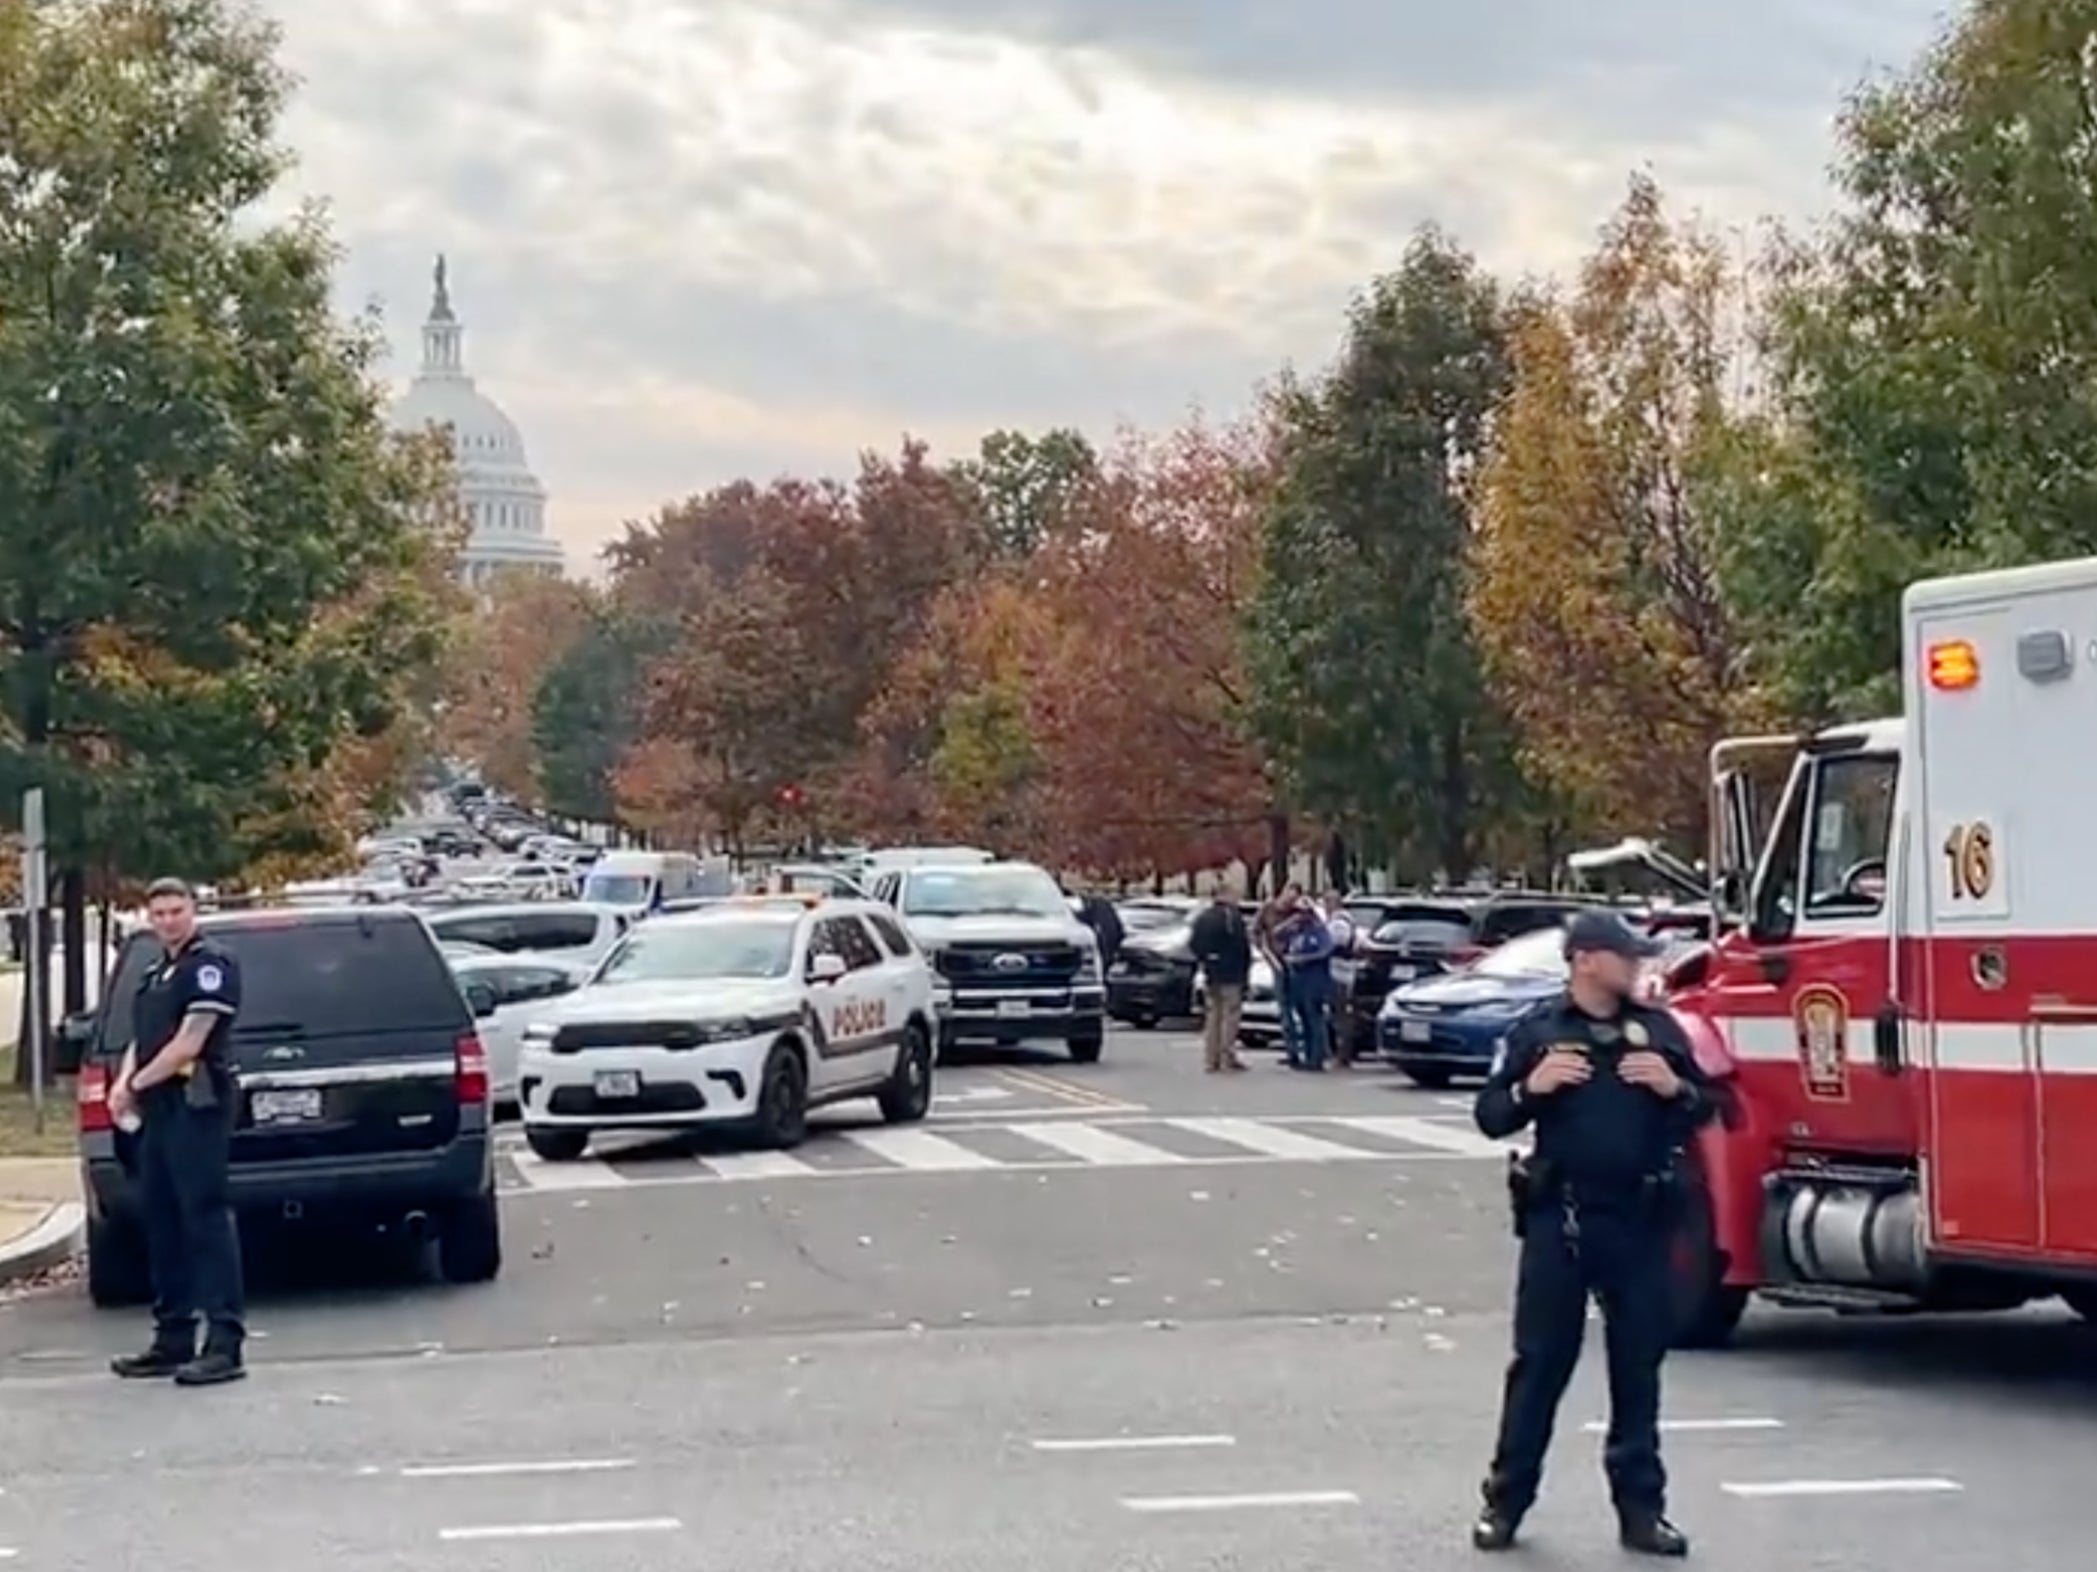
[
  {"x": 176, "y": 1084},
  {"x": 1614, "y": 1094}
]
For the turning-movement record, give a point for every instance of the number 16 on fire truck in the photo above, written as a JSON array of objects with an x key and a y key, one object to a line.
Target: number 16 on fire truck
[{"x": 1903, "y": 991}]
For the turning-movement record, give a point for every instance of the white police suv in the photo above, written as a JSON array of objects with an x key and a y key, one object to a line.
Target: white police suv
[{"x": 748, "y": 1013}]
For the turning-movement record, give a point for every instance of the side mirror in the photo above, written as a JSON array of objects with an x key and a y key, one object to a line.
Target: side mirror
[
  {"x": 480, "y": 998},
  {"x": 826, "y": 968}
]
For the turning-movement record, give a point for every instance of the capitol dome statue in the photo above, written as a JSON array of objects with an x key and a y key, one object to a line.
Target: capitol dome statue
[{"x": 505, "y": 504}]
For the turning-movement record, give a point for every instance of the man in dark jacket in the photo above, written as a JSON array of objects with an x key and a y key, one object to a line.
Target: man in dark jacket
[
  {"x": 1222, "y": 947},
  {"x": 1097, "y": 913}
]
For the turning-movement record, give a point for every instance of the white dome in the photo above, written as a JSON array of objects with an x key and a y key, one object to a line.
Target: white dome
[{"x": 505, "y": 504}]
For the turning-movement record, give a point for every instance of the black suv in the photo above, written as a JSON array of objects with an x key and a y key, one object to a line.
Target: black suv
[
  {"x": 1425, "y": 936},
  {"x": 363, "y": 1091}
]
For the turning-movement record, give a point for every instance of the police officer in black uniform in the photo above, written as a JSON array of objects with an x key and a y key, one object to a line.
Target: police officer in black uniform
[
  {"x": 1614, "y": 1094},
  {"x": 176, "y": 1083}
]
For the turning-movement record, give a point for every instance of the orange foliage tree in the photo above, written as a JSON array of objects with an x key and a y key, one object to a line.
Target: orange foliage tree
[{"x": 500, "y": 651}]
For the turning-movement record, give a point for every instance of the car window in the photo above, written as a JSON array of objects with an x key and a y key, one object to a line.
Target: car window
[
  {"x": 375, "y": 975},
  {"x": 892, "y": 934},
  {"x": 489, "y": 932},
  {"x": 1852, "y": 822},
  {"x": 984, "y": 892},
  {"x": 1445, "y": 929},
  {"x": 759, "y": 946},
  {"x": 555, "y": 930},
  {"x": 1537, "y": 954},
  {"x": 1498, "y": 924},
  {"x": 846, "y": 938}
]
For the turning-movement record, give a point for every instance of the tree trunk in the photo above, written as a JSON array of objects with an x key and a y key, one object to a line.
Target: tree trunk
[
  {"x": 1277, "y": 852},
  {"x": 1456, "y": 851}
]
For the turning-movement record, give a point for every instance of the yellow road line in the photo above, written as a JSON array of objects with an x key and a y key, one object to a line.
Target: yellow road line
[{"x": 1066, "y": 1091}]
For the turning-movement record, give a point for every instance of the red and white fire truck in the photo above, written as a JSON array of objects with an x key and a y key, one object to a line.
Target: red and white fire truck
[{"x": 1903, "y": 997}]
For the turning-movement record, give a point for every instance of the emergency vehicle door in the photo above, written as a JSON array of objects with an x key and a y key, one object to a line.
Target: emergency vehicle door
[
  {"x": 1982, "y": 1154},
  {"x": 1807, "y": 992},
  {"x": 855, "y": 1007}
]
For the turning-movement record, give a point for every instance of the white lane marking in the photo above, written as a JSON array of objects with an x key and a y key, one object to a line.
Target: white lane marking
[
  {"x": 1132, "y": 1443},
  {"x": 570, "y": 1465},
  {"x": 920, "y": 1151},
  {"x": 757, "y": 1165},
  {"x": 1103, "y": 1148},
  {"x": 1756, "y": 1489},
  {"x": 1454, "y": 1102},
  {"x": 1598, "y": 1427},
  {"x": 1271, "y": 1140},
  {"x": 629, "y": 1525},
  {"x": 1272, "y": 1498},
  {"x": 1421, "y": 1132},
  {"x": 585, "y": 1173},
  {"x": 974, "y": 1094}
]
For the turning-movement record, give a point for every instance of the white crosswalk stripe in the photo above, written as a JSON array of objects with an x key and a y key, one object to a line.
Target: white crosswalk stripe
[{"x": 1135, "y": 1141}]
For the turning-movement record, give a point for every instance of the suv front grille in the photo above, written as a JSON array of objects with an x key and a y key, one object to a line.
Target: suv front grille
[
  {"x": 579, "y": 1036},
  {"x": 1038, "y": 966}
]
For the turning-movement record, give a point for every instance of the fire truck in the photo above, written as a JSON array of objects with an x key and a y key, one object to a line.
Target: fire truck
[{"x": 1901, "y": 994}]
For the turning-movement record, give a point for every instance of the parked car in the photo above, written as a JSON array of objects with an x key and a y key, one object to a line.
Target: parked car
[
  {"x": 362, "y": 1085},
  {"x": 1429, "y": 936},
  {"x": 508, "y": 993},
  {"x": 1152, "y": 978}
]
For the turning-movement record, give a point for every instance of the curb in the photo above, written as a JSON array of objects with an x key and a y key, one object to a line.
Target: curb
[{"x": 53, "y": 1241}]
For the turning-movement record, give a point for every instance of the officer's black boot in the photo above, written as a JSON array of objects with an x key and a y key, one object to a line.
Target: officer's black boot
[
  {"x": 157, "y": 1363},
  {"x": 1495, "y": 1529},
  {"x": 213, "y": 1367},
  {"x": 1650, "y": 1534}
]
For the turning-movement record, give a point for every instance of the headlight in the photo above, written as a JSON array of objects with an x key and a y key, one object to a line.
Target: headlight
[
  {"x": 1088, "y": 966},
  {"x": 729, "y": 1031}
]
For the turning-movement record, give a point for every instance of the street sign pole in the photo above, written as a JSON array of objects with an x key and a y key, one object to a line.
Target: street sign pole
[{"x": 36, "y": 978}]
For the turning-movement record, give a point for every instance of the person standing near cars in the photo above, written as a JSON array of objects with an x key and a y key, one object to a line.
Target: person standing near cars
[
  {"x": 176, "y": 1085},
  {"x": 1340, "y": 1014},
  {"x": 1268, "y": 930},
  {"x": 1222, "y": 947},
  {"x": 1615, "y": 1094},
  {"x": 1306, "y": 960}
]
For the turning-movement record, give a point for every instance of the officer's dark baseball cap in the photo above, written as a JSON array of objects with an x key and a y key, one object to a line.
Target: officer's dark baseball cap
[{"x": 1601, "y": 930}]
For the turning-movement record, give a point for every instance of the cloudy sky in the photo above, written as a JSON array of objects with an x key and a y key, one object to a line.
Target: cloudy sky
[{"x": 698, "y": 239}]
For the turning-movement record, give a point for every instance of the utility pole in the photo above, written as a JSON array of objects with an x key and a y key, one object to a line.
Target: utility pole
[{"x": 36, "y": 977}]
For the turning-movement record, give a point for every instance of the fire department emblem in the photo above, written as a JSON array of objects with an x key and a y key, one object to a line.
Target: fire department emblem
[{"x": 1822, "y": 1017}]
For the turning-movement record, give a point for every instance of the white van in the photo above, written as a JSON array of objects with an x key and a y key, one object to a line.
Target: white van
[{"x": 639, "y": 882}]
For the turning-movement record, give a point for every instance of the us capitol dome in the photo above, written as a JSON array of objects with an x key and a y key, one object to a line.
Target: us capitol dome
[{"x": 505, "y": 504}]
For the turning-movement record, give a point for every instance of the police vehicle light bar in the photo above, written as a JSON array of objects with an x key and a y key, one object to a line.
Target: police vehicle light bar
[{"x": 1954, "y": 666}]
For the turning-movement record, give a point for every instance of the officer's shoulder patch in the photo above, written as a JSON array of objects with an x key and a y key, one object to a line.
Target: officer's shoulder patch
[
  {"x": 1636, "y": 1035},
  {"x": 210, "y": 977}
]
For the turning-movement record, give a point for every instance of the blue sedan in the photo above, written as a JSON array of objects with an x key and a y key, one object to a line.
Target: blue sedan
[{"x": 1442, "y": 1027}]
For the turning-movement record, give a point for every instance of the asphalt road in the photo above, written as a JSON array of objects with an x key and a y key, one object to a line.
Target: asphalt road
[{"x": 1050, "y": 1359}]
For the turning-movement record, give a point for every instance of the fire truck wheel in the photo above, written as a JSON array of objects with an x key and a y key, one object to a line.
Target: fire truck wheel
[
  {"x": 1706, "y": 1310},
  {"x": 2082, "y": 1299}
]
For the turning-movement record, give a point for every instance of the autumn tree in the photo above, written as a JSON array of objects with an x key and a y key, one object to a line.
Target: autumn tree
[
  {"x": 1597, "y": 593},
  {"x": 1145, "y": 711},
  {"x": 202, "y": 516},
  {"x": 1029, "y": 489},
  {"x": 1367, "y": 684},
  {"x": 502, "y": 650}
]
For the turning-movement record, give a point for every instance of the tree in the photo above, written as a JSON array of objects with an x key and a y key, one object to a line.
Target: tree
[
  {"x": 587, "y": 713},
  {"x": 203, "y": 522},
  {"x": 1367, "y": 686},
  {"x": 1145, "y": 710},
  {"x": 1028, "y": 489},
  {"x": 1935, "y": 358},
  {"x": 1596, "y": 594},
  {"x": 501, "y": 653}
]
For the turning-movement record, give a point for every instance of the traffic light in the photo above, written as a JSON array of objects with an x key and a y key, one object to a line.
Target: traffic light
[{"x": 790, "y": 797}]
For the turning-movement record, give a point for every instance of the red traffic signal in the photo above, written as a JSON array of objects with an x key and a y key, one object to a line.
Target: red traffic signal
[{"x": 789, "y": 796}]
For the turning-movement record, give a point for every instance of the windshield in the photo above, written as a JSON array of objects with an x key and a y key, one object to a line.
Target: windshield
[
  {"x": 697, "y": 952},
  {"x": 1539, "y": 954},
  {"x": 984, "y": 892},
  {"x": 619, "y": 889}
]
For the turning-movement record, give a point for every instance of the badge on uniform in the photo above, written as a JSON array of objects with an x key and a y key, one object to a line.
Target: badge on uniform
[
  {"x": 210, "y": 979},
  {"x": 1636, "y": 1035}
]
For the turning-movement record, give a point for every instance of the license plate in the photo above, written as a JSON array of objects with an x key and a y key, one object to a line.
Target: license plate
[
  {"x": 618, "y": 1083},
  {"x": 290, "y": 1107},
  {"x": 1011, "y": 1007},
  {"x": 1415, "y": 1031},
  {"x": 1404, "y": 973}
]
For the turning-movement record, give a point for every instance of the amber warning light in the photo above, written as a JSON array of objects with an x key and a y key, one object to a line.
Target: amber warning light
[{"x": 1953, "y": 665}]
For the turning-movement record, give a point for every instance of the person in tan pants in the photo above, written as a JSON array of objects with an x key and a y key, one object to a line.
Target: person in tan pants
[{"x": 1223, "y": 949}]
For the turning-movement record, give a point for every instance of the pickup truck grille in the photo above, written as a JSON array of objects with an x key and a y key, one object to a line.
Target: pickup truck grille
[{"x": 986, "y": 966}]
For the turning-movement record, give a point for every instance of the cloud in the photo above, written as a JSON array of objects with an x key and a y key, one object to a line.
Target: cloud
[{"x": 698, "y": 238}]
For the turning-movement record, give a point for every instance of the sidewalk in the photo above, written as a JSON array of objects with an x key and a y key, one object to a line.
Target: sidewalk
[{"x": 40, "y": 1214}]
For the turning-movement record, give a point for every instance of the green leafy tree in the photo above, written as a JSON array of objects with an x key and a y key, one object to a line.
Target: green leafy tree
[
  {"x": 1028, "y": 488},
  {"x": 1368, "y": 689},
  {"x": 587, "y": 713},
  {"x": 1936, "y": 356},
  {"x": 213, "y": 559}
]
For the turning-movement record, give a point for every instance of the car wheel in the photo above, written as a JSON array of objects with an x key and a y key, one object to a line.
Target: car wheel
[
  {"x": 1086, "y": 1043},
  {"x": 118, "y": 1276},
  {"x": 1433, "y": 1080},
  {"x": 1706, "y": 1312},
  {"x": 782, "y": 1100},
  {"x": 469, "y": 1241},
  {"x": 556, "y": 1143},
  {"x": 908, "y": 1096}
]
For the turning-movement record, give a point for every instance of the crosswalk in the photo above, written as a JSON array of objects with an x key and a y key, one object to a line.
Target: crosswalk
[{"x": 1137, "y": 1141}]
